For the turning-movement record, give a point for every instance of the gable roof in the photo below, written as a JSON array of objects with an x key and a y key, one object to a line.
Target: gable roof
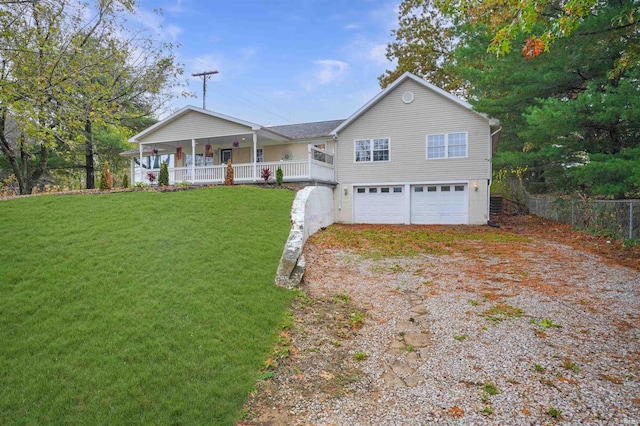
[
  {"x": 185, "y": 110},
  {"x": 307, "y": 130},
  {"x": 406, "y": 76}
]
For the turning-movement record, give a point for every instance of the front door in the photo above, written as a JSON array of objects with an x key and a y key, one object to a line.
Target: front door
[{"x": 225, "y": 155}]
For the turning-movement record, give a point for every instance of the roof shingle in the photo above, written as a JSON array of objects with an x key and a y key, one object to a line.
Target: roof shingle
[{"x": 307, "y": 130}]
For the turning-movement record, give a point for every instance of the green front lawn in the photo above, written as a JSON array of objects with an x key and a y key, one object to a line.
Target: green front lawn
[{"x": 142, "y": 307}]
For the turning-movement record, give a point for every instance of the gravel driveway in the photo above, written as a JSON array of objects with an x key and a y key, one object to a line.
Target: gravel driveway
[{"x": 484, "y": 326}]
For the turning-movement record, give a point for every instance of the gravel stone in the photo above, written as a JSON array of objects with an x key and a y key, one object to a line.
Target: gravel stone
[{"x": 545, "y": 324}]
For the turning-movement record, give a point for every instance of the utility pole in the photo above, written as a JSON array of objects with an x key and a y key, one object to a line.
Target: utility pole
[{"x": 205, "y": 76}]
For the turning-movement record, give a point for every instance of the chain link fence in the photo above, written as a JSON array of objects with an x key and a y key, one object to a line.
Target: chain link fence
[{"x": 617, "y": 217}]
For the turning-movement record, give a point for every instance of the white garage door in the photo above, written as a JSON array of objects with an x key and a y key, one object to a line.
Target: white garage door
[
  {"x": 440, "y": 204},
  {"x": 379, "y": 204}
]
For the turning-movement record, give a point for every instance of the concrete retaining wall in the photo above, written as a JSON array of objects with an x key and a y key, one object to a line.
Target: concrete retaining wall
[{"x": 312, "y": 209}]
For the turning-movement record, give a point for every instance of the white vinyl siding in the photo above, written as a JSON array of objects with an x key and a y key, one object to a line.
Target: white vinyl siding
[
  {"x": 406, "y": 126},
  {"x": 451, "y": 145},
  {"x": 195, "y": 125},
  {"x": 367, "y": 150}
]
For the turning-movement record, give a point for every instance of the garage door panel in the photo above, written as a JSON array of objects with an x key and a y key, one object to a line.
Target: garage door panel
[
  {"x": 439, "y": 204},
  {"x": 381, "y": 204},
  {"x": 429, "y": 204}
]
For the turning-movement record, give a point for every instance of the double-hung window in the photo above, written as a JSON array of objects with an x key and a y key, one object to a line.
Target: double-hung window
[
  {"x": 368, "y": 150},
  {"x": 448, "y": 145}
]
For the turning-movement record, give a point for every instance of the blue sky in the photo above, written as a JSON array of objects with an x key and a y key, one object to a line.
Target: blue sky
[{"x": 280, "y": 61}]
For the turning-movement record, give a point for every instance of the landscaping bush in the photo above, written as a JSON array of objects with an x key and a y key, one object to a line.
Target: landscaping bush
[
  {"x": 266, "y": 175},
  {"x": 279, "y": 176},
  {"x": 228, "y": 176},
  {"x": 163, "y": 179},
  {"x": 107, "y": 179},
  {"x": 125, "y": 181}
]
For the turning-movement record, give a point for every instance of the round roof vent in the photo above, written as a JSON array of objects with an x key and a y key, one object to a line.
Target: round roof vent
[{"x": 407, "y": 97}]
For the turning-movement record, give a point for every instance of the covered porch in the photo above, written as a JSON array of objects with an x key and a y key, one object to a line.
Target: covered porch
[
  {"x": 197, "y": 144},
  {"x": 317, "y": 166}
]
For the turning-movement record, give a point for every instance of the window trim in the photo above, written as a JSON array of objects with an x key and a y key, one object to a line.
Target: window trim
[
  {"x": 372, "y": 151},
  {"x": 446, "y": 145}
]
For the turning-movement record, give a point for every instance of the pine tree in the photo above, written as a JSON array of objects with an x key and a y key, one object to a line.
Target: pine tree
[
  {"x": 163, "y": 179},
  {"x": 228, "y": 176},
  {"x": 107, "y": 180}
]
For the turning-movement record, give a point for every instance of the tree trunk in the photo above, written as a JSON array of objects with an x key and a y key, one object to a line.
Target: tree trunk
[
  {"x": 89, "y": 167},
  {"x": 10, "y": 155}
]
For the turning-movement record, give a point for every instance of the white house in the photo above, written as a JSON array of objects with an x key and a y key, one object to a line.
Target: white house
[{"x": 414, "y": 154}]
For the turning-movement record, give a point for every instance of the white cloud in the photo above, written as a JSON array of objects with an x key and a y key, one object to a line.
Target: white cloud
[
  {"x": 351, "y": 27},
  {"x": 205, "y": 63},
  {"x": 329, "y": 71},
  {"x": 174, "y": 31},
  {"x": 325, "y": 72},
  {"x": 377, "y": 54},
  {"x": 386, "y": 15},
  {"x": 153, "y": 22},
  {"x": 175, "y": 8},
  {"x": 236, "y": 65}
]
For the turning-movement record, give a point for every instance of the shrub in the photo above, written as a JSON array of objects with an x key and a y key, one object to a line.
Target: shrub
[
  {"x": 9, "y": 186},
  {"x": 279, "y": 176},
  {"x": 228, "y": 176},
  {"x": 107, "y": 180},
  {"x": 125, "y": 181},
  {"x": 266, "y": 175},
  {"x": 163, "y": 179}
]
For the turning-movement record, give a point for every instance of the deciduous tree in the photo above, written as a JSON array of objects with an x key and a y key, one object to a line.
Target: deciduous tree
[
  {"x": 424, "y": 45},
  {"x": 68, "y": 68}
]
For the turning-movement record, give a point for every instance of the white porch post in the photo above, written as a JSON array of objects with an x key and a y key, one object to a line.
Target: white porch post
[
  {"x": 132, "y": 172},
  {"x": 255, "y": 157},
  {"x": 141, "y": 171},
  {"x": 309, "y": 160},
  {"x": 193, "y": 161}
]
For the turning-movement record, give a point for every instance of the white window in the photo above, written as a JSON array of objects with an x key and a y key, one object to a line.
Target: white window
[
  {"x": 451, "y": 145},
  {"x": 259, "y": 155},
  {"x": 435, "y": 146},
  {"x": 367, "y": 150}
]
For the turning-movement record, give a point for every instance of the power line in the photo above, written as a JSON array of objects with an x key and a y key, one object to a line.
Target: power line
[
  {"x": 231, "y": 93},
  {"x": 205, "y": 76}
]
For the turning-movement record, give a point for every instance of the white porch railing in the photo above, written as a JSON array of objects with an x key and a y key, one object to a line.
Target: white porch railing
[
  {"x": 290, "y": 169},
  {"x": 293, "y": 171}
]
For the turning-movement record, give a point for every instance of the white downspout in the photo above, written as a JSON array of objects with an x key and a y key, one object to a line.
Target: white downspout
[{"x": 193, "y": 161}]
